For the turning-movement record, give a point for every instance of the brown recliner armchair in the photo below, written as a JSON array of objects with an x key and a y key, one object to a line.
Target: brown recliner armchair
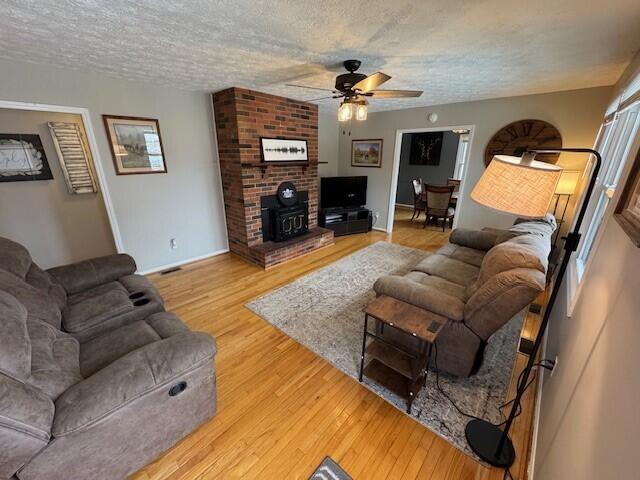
[{"x": 477, "y": 282}]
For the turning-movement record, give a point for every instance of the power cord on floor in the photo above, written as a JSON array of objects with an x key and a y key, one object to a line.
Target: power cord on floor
[{"x": 542, "y": 364}]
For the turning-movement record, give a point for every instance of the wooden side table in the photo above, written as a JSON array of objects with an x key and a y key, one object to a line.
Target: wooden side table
[{"x": 393, "y": 365}]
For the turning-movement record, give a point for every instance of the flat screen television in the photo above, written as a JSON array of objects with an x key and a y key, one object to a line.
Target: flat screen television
[{"x": 343, "y": 192}]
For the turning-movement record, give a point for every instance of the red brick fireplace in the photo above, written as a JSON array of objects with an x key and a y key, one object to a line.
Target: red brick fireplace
[{"x": 242, "y": 117}]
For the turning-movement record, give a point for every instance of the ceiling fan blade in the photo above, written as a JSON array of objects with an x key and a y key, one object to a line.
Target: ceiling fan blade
[
  {"x": 372, "y": 81},
  {"x": 312, "y": 88},
  {"x": 395, "y": 93},
  {"x": 321, "y": 98}
]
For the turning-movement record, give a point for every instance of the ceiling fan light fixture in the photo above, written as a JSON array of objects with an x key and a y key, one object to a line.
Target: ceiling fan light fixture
[
  {"x": 345, "y": 111},
  {"x": 361, "y": 112}
]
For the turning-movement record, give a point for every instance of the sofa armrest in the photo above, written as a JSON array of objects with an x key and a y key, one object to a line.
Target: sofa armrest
[
  {"x": 477, "y": 239},
  {"x": 81, "y": 276},
  {"x": 420, "y": 296},
  {"x": 158, "y": 365},
  {"x": 25, "y": 408},
  {"x": 26, "y": 415}
]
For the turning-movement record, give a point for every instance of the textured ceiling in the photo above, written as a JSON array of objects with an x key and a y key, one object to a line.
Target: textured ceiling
[{"x": 453, "y": 50}]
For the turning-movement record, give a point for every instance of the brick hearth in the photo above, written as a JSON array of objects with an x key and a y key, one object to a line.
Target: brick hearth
[{"x": 242, "y": 117}]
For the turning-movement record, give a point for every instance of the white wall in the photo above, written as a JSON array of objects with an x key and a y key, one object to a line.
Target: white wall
[
  {"x": 56, "y": 226},
  {"x": 577, "y": 114},
  {"x": 186, "y": 203},
  {"x": 327, "y": 144},
  {"x": 589, "y": 419}
]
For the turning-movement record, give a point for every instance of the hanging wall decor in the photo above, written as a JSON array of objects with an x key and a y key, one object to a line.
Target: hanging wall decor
[
  {"x": 283, "y": 150},
  {"x": 366, "y": 153},
  {"x": 75, "y": 158},
  {"x": 426, "y": 148},
  {"x": 517, "y": 137},
  {"x": 22, "y": 158},
  {"x": 136, "y": 145},
  {"x": 627, "y": 211}
]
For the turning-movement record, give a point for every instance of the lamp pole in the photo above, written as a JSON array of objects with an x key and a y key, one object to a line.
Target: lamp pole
[{"x": 487, "y": 440}]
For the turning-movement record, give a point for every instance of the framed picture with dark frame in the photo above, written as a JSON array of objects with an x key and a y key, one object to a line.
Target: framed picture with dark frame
[
  {"x": 426, "y": 148},
  {"x": 366, "y": 153},
  {"x": 627, "y": 211},
  {"x": 136, "y": 145},
  {"x": 22, "y": 158},
  {"x": 281, "y": 150}
]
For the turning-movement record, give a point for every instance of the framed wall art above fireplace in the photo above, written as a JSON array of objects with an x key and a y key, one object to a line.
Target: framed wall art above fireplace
[{"x": 279, "y": 150}]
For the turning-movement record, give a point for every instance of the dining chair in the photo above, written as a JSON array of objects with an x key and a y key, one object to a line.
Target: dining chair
[
  {"x": 419, "y": 204},
  {"x": 456, "y": 190},
  {"x": 438, "y": 200}
]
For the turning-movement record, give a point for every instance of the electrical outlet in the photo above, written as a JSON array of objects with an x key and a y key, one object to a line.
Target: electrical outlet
[
  {"x": 173, "y": 243},
  {"x": 376, "y": 215},
  {"x": 555, "y": 365}
]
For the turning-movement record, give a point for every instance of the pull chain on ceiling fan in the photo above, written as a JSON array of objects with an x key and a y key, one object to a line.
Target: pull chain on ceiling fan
[{"x": 355, "y": 88}]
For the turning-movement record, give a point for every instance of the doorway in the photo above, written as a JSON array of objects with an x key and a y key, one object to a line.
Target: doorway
[
  {"x": 434, "y": 156},
  {"x": 52, "y": 196}
]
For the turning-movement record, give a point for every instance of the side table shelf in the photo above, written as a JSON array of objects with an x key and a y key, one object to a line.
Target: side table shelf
[{"x": 392, "y": 365}]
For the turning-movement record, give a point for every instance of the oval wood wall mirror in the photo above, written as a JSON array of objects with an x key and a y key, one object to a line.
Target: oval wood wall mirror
[{"x": 517, "y": 137}]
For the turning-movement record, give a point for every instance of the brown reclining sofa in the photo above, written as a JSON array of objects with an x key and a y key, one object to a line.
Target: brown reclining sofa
[
  {"x": 96, "y": 379},
  {"x": 478, "y": 282}
]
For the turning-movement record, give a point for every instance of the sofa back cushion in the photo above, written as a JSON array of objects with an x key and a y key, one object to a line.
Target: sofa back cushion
[
  {"x": 38, "y": 304},
  {"x": 55, "y": 359},
  {"x": 523, "y": 251},
  {"x": 15, "y": 346},
  {"x": 41, "y": 280},
  {"x": 496, "y": 301},
  {"x": 14, "y": 258}
]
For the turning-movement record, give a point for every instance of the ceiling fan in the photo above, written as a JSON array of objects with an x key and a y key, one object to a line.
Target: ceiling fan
[{"x": 355, "y": 88}]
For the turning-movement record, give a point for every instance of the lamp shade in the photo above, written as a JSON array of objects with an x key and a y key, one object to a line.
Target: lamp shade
[
  {"x": 520, "y": 186},
  {"x": 568, "y": 182}
]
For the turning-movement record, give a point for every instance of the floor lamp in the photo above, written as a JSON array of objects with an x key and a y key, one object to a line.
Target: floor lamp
[{"x": 523, "y": 186}]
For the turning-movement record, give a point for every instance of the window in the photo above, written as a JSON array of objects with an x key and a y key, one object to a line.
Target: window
[
  {"x": 615, "y": 142},
  {"x": 461, "y": 157}
]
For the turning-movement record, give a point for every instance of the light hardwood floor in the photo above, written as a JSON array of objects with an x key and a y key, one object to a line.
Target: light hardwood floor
[{"x": 281, "y": 408}]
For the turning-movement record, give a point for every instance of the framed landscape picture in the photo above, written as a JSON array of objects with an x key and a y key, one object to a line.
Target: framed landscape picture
[
  {"x": 135, "y": 144},
  {"x": 22, "y": 158},
  {"x": 366, "y": 153},
  {"x": 283, "y": 150},
  {"x": 628, "y": 209}
]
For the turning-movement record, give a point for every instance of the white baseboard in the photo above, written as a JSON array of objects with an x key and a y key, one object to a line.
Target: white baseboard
[
  {"x": 379, "y": 229},
  {"x": 183, "y": 262},
  {"x": 405, "y": 206},
  {"x": 536, "y": 414}
]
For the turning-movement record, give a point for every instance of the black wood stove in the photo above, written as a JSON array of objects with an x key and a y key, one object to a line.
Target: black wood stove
[{"x": 284, "y": 215}]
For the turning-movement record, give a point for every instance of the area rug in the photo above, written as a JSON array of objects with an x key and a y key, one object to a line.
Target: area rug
[
  {"x": 329, "y": 470},
  {"x": 323, "y": 311}
]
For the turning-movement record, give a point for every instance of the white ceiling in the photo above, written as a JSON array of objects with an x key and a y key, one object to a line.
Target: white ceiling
[{"x": 453, "y": 50}]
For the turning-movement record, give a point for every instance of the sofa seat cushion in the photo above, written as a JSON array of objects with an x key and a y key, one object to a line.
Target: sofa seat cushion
[
  {"x": 439, "y": 284},
  {"x": 94, "y": 306},
  {"x": 15, "y": 345},
  {"x": 39, "y": 305},
  {"x": 97, "y": 353},
  {"x": 55, "y": 364},
  {"x": 449, "y": 269},
  {"x": 464, "y": 254}
]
